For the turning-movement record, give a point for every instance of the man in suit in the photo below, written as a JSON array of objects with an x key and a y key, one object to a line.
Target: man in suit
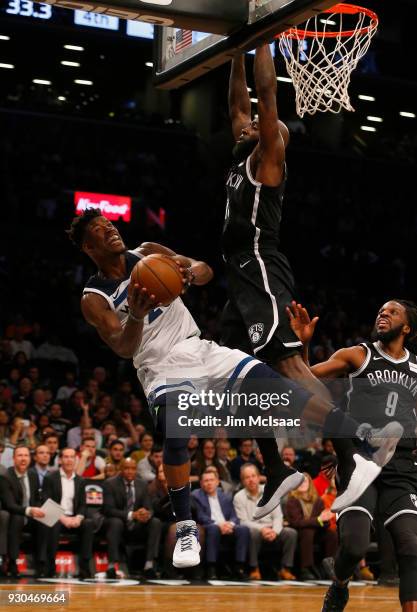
[
  {"x": 215, "y": 512},
  {"x": 19, "y": 495},
  {"x": 40, "y": 468},
  {"x": 68, "y": 490},
  {"x": 128, "y": 510}
]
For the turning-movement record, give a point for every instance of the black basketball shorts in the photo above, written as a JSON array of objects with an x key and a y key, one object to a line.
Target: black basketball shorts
[
  {"x": 394, "y": 492},
  {"x": 255, "y": 318}
]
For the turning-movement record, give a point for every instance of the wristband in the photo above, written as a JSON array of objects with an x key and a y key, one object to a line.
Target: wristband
[
  {"x": 320, "y": 522},
  {"x": 135, "y": 319}
]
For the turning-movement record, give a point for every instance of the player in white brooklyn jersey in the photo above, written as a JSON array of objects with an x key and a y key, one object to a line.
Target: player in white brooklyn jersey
[{"x": 164, "y": 344}]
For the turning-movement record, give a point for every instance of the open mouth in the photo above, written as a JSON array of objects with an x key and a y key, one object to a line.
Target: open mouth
[{"x": 114, "y": 238}]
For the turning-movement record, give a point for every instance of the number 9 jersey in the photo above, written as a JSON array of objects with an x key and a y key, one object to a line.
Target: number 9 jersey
[{"x": 384, "y": 389}]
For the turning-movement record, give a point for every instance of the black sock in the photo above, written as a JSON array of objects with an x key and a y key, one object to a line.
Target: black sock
[
  {"x": 274, "y": 466},
  {"x": 338, "y": 423},
  {"x": 180, "y": 501}
]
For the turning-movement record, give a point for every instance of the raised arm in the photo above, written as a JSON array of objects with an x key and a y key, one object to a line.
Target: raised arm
[
  {"x": 341, "y": 362},
  {"x": 271, "y": 151},
  {"x": 122, "y": 340},
  {"x": 198, "y": 272},
  {"x": 239, "y": 101}
]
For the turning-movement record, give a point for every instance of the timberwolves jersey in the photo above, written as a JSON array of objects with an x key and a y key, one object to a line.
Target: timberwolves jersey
[
  {"x": 385, "y": 389},
  {"x": 163, "y": 327},
  {"x": 253, "y": 212}
]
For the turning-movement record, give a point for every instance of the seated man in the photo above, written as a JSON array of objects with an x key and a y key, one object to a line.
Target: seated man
[
  {"x": 19, "y": 495},
  {"x": 216, "y": 514},
  {"x": 67, "y": 489},
  {"x": 266, "y": 532},
  {"x": 128, "y": 510},
  {"x": 116, "y": 454},
  {"x": 148, "y": 466},
  {"x": 89, "y": 464},
  {"x": 40, "y": 468}
]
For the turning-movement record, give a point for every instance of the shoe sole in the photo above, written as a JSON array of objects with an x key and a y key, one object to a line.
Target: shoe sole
[
  {"x": 182, "y": 564},
  {"x": 349, "y": 497},
  {"x": 289, "y": 484}
]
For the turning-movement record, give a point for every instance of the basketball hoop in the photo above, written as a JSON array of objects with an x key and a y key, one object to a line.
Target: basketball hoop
[{"x": 321, "y": 56}]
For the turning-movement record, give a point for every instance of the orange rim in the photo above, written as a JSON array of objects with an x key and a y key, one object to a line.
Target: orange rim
[{"x": 346, "y": 9}]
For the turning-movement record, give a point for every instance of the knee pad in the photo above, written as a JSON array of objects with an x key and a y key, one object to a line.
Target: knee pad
[{"x": 176, "y": 451}]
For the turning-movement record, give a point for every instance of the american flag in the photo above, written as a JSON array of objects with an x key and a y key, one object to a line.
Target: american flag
[{"x": 183, "y": 39}]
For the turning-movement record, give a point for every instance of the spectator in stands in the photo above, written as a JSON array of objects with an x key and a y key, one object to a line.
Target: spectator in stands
[
  {"x": 289, "y": 456},
  {"x": 74, "y": 411},
  {"x": 223, "y": 452},
  {"x": 128, "y": 510},
  {"x": 215, "y": 512},
  {"x": 267, "y": 533},
  {"x": 19, "y": 495},
  {"x": 57, "y": 420},
  {"x": 68, "y": 388},
  {"x": 146, "y": 442},
  {"x": 206, "y": 456},
  {"x": 25, "y": 390},
  {"x": 100, "y": 375},
  {"x": 110, "y": 470},
  {"x": 140, "y": 415},
  {"x": 34, "y": 375},
  {"x": 92, "y": 392},
  {"x": 22, "y": 433},
  {"x": 192, "y": 447},
  {"x": 4, "y": 426},
  {"x": 116, "y": 454},
  {"x": 123, "y": 396},
  {"x": 76, "y": 434},
  {"x": 246, "y": 455},
  {"x": 148, "y": 466},
  {"x": 68, "y": 490},
  {"x": 52, "y": 442},
  {"x": 305, "y": 512},
  {"x": 225, "y": 486},
  {"x": 20, "y": 409},
  {"x": 89, "y": 464},
  {"x": 40, "y": 467}
]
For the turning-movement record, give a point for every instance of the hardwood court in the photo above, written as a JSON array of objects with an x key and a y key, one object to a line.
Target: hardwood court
[{"x": 251, "y": 598}]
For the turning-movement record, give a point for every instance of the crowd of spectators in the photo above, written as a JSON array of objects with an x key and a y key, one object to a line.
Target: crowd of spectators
[{"x": 70, "y": 407}]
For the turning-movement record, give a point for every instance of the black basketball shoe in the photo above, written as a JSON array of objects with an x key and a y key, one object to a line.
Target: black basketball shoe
[{"x": 336, "y": 598}]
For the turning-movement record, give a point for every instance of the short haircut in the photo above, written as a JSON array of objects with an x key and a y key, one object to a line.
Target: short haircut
[
  {"x": 249, "y": 465},
  {"x": 79, "y": 225},
  {"x": 18, "y": 447},
  {"x": 116, "y": 442},
  {"x": 62, "y": 451},
  {"x": 156, "y": 448},
  {"x": 91, "y": 438},
  {"x": 211, "y": 469},
  {"x": 50, "y": 435}
]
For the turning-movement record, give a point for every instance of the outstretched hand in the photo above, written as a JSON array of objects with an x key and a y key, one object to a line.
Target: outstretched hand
[{"x": 300, "y": 322}]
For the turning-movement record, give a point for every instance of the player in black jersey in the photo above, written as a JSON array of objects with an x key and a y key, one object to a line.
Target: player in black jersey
[
  {"x": 260, "y": 280},
  {"x": 383, "y": 387}
]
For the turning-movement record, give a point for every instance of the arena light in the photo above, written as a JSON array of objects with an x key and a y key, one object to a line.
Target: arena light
[
  {"x": 366, "y": 98},
  {"x": 249, "y": 89},
  {"x": 284, "y": 79},
  {"x": 149, "y": 64},
  {"x": 375, "y": 119},
  {"x": 113, "y": 207},
  {"x": 73, "y": 64},
  {"x": 73, "y": 48},
  {"x": 83, "y": 82},
  {"x": 4, "y": 37},
  {"x": 62, "y": 98},
  {"x": 254, "y": 100},
  {"x": 368, "y": 128},
  {"x": 41, "y": 82},
  {"x": 9, "y": 66},
  {"x": 408, "y": 114}
]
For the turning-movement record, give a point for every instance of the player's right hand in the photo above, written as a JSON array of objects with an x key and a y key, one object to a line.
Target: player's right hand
[
  {"x": 139, "y": 300},
  {"x": 300, "y": 322}
]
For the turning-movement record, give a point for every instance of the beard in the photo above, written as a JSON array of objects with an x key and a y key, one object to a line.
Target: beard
[
  {"x": 388, "y": 336},
  {"x": 243, "y": 149}
]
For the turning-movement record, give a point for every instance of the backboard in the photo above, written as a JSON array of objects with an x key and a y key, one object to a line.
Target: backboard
[{"x": 183, "y": 55}]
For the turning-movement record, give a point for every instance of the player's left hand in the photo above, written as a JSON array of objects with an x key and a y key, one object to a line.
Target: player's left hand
[
  {"x": 187, "y": 274},
  {"x": 300, "y": 322}
]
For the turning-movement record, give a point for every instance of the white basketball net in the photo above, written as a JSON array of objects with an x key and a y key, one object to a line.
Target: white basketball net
[{"x": 320, "y": 66}]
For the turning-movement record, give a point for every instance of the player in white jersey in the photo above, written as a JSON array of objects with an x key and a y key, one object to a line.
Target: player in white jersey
[{"x": 164, "y": 344}]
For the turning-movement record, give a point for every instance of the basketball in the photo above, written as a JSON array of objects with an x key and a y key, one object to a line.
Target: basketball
[{"x": 161, "y": 276}]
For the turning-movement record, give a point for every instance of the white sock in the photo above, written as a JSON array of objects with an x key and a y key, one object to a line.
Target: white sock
[{"x": 148, "y": 565}]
